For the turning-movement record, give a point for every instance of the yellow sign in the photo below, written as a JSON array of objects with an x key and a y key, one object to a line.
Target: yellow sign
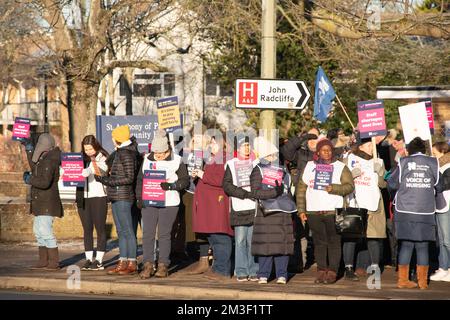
[{"x": 168, "y": 113}]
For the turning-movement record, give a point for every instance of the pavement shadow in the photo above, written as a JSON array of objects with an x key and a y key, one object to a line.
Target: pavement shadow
[
  {"x": 110, "y": 245},
  {"x": 114, "y": 244},
  {"x": 72, "y": 260}
]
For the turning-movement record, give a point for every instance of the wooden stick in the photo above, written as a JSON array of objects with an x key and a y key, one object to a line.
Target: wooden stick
[
  {"x": 172, "y": 141},
  {"x": 374, "y": 152},
  {"x": 340, "y": 103}
]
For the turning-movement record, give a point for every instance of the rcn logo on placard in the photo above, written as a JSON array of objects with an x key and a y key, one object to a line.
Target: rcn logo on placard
[
  {"x": 248, "y": 92},
  {"x": 412, "y": 166}
]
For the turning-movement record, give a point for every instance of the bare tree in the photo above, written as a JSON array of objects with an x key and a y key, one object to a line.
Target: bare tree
[
  {"x": 17, "y": 33},
  {"x": 83, "y": 38}
]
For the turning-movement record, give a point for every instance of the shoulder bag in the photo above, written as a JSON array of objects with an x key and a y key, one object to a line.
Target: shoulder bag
[{"x": 351, "y": 222}]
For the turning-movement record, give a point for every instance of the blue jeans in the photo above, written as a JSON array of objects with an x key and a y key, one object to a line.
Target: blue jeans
[
  {"x": 43, "y": 231},
  {"x": 407, "y": 248},
  {"x": 245, "y": 263},
  {"x": 443, "y": 224},
  {"x": 265, "y": 266},
  {"x": 124, "y": 225},
  {"x": 222, "y": 247}
]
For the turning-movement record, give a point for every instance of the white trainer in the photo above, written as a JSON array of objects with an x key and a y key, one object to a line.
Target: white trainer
[
  {"x": 281, "y": 280},
  {"x": 262, "y": 280},
  {"x": 447, "y": 277},
  {"x": 439, "y": 275}
]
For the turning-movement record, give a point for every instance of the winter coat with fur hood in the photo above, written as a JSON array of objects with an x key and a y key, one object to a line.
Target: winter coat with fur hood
[{"x": 45, "y": 200}]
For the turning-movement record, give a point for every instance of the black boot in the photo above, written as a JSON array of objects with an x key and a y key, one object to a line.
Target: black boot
[{"x": 350, "y": 274}]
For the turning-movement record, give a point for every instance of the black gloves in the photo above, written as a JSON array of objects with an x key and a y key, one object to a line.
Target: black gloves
[
  {"x": 167, "y": 186},
  {"x": 97, "y": 178},
  {"x": 311, "y": 136},
  {"x": 279, "y": 188}
]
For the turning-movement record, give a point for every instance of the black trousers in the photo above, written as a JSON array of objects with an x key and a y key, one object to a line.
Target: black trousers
[
  {"x": 327, "y": 243},
  {"x": 94, "y": 215}
]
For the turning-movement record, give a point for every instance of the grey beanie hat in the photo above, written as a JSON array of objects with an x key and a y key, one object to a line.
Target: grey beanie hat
[
  {"x": 160, "y": 142},
  {"x": 45, "y": 143}
]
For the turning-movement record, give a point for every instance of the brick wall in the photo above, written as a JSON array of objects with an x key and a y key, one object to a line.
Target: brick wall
[{"x": 17, "y": 225}]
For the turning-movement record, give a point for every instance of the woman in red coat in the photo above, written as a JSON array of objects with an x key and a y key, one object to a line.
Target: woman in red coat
[{"x": 210, "y": 212}]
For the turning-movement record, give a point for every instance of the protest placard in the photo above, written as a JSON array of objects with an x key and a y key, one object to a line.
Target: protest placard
[
  {"x": 169, "y": 117},
  {"x": 371, "y": 120},
  {"x": 21, "y": 129},
  {"x": 194, "y": 161},
  {"x": 414, "y": 121},
  {"x": 72, "y": 164},
  {"x": 152, "y": 193},
  {"x": 323, "y": 176},
  {"x": 271, "y": 175},
  {"x": 243, "y": 170},
  {"x": 430, "y": 116}
]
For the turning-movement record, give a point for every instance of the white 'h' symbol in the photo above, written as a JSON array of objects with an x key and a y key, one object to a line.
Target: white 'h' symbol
[{"x": 248, "y": 89}]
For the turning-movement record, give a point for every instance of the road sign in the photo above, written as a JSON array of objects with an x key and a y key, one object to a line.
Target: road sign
[{"x": 271, "y": 94}]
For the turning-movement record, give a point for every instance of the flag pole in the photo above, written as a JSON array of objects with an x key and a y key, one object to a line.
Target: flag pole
[{"x": 340, "y": 103}]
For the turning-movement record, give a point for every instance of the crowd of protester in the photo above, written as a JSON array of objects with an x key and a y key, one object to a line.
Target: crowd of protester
[{"x": 249, "y": 205}]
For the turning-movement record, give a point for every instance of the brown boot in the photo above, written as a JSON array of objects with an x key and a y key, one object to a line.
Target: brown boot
[
  {"x": 200, "y": 267},
  {"x": 43, "y": 259},
  {"x": 321, "y": 274},
  {"x": 403, "y": 278},
  {"x": 162, "y": 271},
  {"x": 330, "y": 277},
  {"x": 121, "y": 266},
  {"x": 53, "y": 259},
  {"x": 218, "y": 277},
  {"x": 422, "y": 276},
  {"x": 148, "y": 272},
  {"x": 131, "y": 268},
  {"x": 360, "y": 272}
]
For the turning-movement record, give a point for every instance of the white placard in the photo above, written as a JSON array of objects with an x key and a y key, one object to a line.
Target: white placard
[{"x": 414, "y": 121}]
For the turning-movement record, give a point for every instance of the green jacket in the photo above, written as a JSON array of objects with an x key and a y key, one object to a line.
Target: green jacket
[{"x": 344, "y": 188}]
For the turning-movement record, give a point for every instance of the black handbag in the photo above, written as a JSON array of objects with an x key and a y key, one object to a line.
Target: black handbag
[
  {"x": 284, "y": 203},
  {"x": 351, "y": 222}
]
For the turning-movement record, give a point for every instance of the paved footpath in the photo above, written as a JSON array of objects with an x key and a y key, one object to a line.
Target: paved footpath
[{"x": 14, "y": 259}]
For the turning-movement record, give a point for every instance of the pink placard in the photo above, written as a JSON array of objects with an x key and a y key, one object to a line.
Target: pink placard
[
  {"x": 429, "y": 108},
  {"x": 272, "y": 174},
  {"x": 72, "y": 164},
  {"x": 152, "y": 193},
  {"x": 21, "y": 129},
  {"x": 371, "y": 120}
]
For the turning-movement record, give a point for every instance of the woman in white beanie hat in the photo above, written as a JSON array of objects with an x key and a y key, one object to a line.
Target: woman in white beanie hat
[
  {"x": 273, "y": 236},
  {"x": 159, "y": 212}
]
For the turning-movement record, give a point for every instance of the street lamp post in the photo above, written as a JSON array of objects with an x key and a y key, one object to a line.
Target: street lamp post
[
  {"x": 43, "y": 71},
  {"x": 46, "y": 129}
]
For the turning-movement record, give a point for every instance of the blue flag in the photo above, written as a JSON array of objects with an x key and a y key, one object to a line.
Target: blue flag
[{"x": 323, "y": 96}]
